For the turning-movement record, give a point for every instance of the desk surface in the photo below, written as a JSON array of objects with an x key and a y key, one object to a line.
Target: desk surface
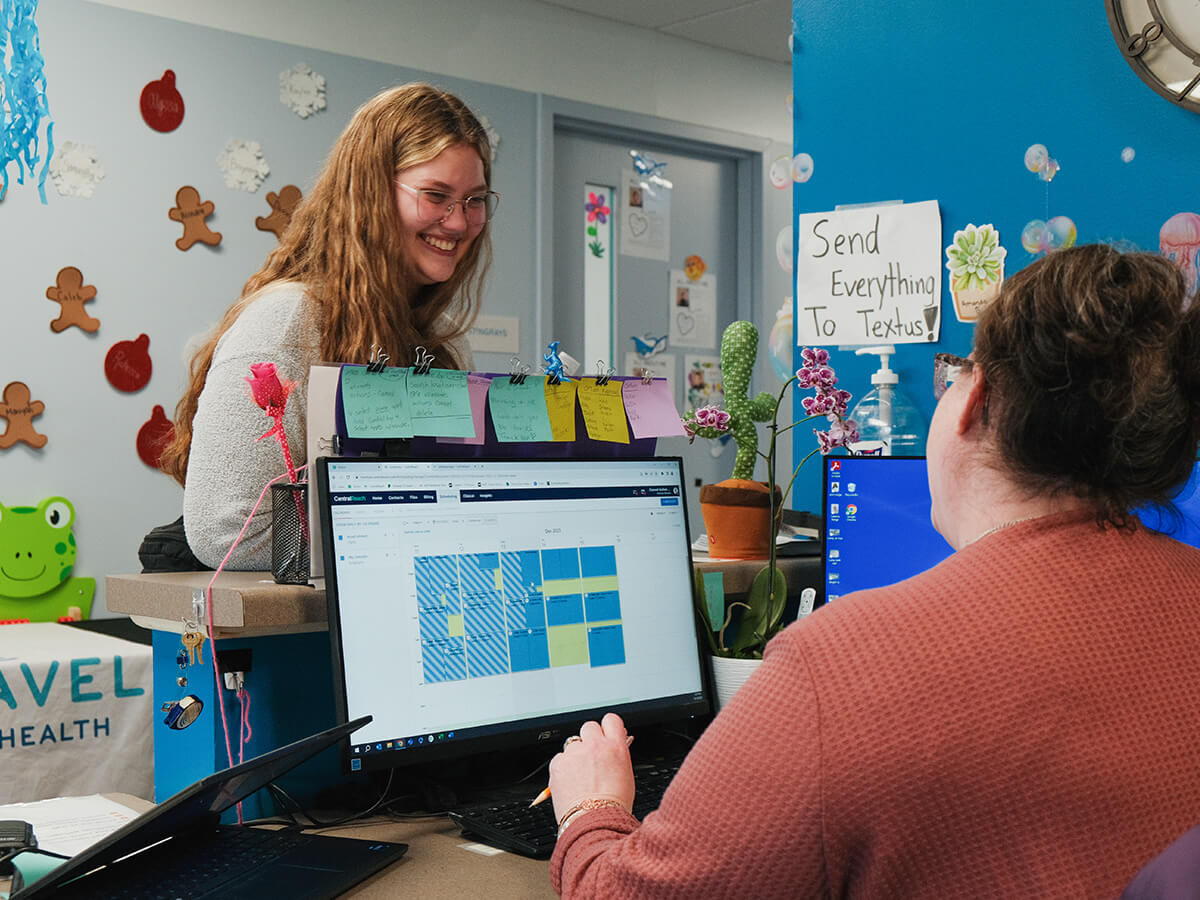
[{"x": 438, "y": 862}]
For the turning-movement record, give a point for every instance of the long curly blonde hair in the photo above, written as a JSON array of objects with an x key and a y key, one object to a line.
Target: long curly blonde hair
[{"x": 342, "y": 244}]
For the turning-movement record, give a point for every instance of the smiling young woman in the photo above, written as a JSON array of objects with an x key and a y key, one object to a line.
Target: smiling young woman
[{"x": 365, "y": 262}]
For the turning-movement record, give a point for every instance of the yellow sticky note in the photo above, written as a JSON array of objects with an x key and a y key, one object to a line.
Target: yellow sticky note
[
  {"x": 560, "y": 404},
  {"x": 603, "y": 411}
]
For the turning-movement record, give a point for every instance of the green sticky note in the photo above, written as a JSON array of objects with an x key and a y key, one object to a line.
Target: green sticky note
[
  {"x": 440, "y": 404},
  {"x": 714, "y": 594},
  {"x": 519, "y": 410},
  {"x": 376, "y": 403}
]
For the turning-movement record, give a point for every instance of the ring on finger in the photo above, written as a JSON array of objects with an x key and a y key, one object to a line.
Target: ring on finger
[{"x": 572, "y": 739}]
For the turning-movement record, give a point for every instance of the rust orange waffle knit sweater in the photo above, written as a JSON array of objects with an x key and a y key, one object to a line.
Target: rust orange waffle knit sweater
[{"x": 1021, "y": 721}]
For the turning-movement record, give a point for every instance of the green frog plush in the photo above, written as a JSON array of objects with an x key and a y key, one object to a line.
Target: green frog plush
[{"x": 37, "y": 552}]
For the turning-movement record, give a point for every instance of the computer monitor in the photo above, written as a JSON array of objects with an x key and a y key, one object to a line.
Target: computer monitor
[
  {"x": 877, "y": 526},
  {"x": 477, "y": 604}
]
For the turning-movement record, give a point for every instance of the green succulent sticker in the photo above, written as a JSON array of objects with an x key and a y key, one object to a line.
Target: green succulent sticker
[{"x": 976, "y": 263}]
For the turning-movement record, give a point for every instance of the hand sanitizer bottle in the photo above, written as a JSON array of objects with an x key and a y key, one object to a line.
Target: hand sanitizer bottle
[{"x": 888, "y": 421}]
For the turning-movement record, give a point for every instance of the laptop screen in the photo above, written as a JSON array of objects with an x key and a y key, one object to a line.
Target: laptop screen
[
  {"x": 877, "y": 526},
  {"x": 479, "y": 603}
]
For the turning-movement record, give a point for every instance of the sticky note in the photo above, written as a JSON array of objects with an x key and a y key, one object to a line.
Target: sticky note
[
  {"x": 714, "y": 596},
  {"x": 477, "y": 390},
  {"x": 560, "y": 403},
  {"x": 376, "y": 403},
  {"x": 651, "y": 409},
  {"x": 519, "y": 410},
  {"x": 603, "y": 411},
  {"x": 440, "y": 403}
]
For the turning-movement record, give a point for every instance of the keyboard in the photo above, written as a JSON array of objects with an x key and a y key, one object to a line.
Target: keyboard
[{"x": 515, "y": 826}]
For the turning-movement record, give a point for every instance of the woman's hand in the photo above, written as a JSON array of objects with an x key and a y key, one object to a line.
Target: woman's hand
[{"x": 595, "y": 767}]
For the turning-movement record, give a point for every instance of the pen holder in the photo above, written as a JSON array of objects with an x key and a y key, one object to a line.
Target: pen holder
[{"x": 289, "y": 533}]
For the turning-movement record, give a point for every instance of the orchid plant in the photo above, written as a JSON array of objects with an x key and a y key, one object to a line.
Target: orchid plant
[{"x": 762, "y": 615}]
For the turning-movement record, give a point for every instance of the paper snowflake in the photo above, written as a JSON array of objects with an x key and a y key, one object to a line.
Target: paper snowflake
[
  {"x": 492, "y": 133},
  {"x": 75, "y": 170},
  {"x": 243, "y": 165},
  {"x": 302, "y": 90}
]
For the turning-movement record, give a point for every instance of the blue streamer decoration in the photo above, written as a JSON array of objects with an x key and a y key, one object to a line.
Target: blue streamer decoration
[{"x": 23, "y": 94}]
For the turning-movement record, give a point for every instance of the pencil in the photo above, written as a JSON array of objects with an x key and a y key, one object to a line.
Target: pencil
[{"x": 545, "y": 794}]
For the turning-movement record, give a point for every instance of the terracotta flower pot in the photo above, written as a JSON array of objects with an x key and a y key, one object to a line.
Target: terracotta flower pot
[{"x": 737, "y": 517}]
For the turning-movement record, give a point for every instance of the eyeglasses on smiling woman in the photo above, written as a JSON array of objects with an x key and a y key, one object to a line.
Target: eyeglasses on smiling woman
[{"x": 434, "y": 205}]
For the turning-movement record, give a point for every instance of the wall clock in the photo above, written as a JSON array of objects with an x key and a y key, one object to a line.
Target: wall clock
[{"x": 1160, "y": 39}]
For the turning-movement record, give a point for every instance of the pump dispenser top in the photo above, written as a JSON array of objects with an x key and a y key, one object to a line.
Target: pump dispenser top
[{"x": 888, "y": 421}]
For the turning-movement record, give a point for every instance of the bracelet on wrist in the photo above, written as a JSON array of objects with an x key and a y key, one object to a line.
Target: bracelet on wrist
[{"x": 586, "y": 805}]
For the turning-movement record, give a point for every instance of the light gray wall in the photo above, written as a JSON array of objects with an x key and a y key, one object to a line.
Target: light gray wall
[{"x": 98, "y": 59}]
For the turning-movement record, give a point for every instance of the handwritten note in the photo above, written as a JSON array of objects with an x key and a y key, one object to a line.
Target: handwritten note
[
  {"x": 869, "y": 275},
  {"x": 560, "y": 403},
  {"x": 376, "y": 403},
  {"x": 440, "y": 404},
  {"x": 477, "y": 390},
  {"x": 603, "y": 411},
  {"x": 519, "y": 410},
  {"x": 651, "y": 409}
]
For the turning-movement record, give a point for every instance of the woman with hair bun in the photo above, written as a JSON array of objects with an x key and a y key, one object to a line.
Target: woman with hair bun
[
  {"x": 1021, "y": 720},
  {"x": 388, "y": 249}
]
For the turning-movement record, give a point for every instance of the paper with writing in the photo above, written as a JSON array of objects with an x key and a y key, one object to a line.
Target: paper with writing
[
  {"x": 519, "y": 410},
  {"x": 603, "y": 411},
  {"x": 651, "y": 409},
  {"x": 477, "y": 391},
  {"x": 440, "y": 404},
  {"x": 376, "y": 403},
  {"x": 560, "y": 403}
]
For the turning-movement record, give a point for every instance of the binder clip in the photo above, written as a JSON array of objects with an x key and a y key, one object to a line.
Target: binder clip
[
  {"x": 517, "y": 371},
  {"x": 331, "y": 444},
  {"x": 603, "y": 372},
  {"x": 644, "y": 373},
  {"x": 423, "y": 363},
  {"x": 379, "y": 359}
]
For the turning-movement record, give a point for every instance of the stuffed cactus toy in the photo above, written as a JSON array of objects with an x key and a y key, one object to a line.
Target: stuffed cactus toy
[{"x": 739, "y": 350}]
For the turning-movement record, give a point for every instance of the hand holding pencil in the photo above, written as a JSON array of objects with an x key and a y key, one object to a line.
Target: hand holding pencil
[{"x": 545, "y": 794}]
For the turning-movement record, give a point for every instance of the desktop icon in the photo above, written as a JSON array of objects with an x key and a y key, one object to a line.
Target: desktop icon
[
  {"x": 835, "y": 465},
  {"x": 851, "y": 509},
  {"x": 835, "y": 554},
  {"x": 834, "y": 509},
  {"x": 852, "y": 487},
  {"x": 834, "y": 487}
]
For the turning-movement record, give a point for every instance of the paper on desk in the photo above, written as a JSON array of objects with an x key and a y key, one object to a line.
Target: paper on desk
[{"x": 67, "y": 825}]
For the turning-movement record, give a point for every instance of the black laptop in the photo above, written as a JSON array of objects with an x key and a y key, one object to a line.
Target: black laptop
[{"x": 180, "y": 849}]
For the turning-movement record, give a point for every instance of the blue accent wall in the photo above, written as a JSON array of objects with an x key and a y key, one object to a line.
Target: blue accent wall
[{"x": 930, "y": 100}]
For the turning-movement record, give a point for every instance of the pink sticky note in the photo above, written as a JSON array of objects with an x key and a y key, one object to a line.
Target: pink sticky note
[
  {"x": 651, "y": 409},
  {"x": 477, "y": 388}
]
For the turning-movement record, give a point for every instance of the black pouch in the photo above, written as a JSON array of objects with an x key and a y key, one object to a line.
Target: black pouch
[{"x": 165, "y": 549}]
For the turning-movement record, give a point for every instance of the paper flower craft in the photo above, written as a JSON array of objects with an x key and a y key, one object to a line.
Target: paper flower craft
[
  {"x": 243, "y": 165},
  {"x": 75, "y": 170},
  {"x": 302, "y": 90},
  {"x": 271, "y": 395}
]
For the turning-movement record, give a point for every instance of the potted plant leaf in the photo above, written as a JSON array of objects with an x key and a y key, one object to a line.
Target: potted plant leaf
[{"x": 748, "y": 625}]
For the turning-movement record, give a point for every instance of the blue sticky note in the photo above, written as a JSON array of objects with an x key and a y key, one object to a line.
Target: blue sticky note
[
  {"x": 440, "y": 404},
  {"x": 376, "y": 403},
  {"x": 519, "y": 410},
  {"x": 714, "y": 595}
]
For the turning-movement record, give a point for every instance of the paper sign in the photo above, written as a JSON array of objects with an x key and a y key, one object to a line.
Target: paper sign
[
  {"x": 869, "y": 275},
  {"x": 477, "y": 390},
  {"x": 603, "y": 411},
  {"x": 376, "y": 403},
  {"x": 495, "y": 334},
  {"x": 519, "y": 410},
  {"x": 692, "y": 309},
  {"x": 714, "y": 596},
  {"x": 560, "y": 404},
  {"x": 645, "y": 218},
  {"x": 440, "y": 404},
  {"x": 651, "y": 409}
]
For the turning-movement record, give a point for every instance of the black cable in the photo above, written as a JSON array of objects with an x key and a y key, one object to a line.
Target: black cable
[{"x": 319, "y": 823}]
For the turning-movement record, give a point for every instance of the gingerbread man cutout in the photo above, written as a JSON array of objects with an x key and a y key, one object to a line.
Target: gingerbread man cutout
[
  {"x": 282, "y": 207},
  {"x": 72, "y": 293},
  {"x": 19, "y": 411},
  {"x": 191, "y": 213}
]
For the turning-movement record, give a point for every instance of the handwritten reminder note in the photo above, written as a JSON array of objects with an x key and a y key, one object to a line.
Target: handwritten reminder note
[
  {"x": 603, "y": 410},
  {"x": 440, "y": 403},
  {"x": 376, "y": 403},
  {"x": 519, "y": 410},
  {"x": 560, "y": 405},
  {"x": 869, "y": 275}
]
